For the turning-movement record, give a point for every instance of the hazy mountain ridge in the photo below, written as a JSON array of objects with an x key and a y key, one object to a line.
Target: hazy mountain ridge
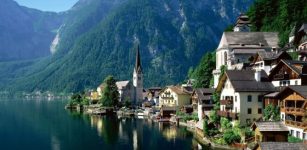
[{"x": 95, "y": 42}]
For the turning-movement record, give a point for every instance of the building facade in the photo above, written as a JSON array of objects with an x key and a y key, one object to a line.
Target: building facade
[
  {"x": 174, "y": 96},
  {"x": 138, "y": 79}
]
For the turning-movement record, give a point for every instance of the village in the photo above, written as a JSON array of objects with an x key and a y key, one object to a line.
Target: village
[{"x": 258, "y": 100}]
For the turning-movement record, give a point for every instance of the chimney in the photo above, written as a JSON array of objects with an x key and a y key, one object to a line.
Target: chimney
[{"x": 258, "y": 75}]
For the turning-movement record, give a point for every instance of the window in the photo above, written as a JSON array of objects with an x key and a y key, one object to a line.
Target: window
[
  {"x": 282, "y": 117},
  {"x": 235, "y": 98},
  {"x": 297, "y": 134},
  {"x": 249, "y": 111},
  {"x": 260, "y": 97},
  {"x": 296, "y": 83},
  {"x": 225, "y": 58},
  {"x": 304, "y": 136},
  {"x": 292, "y": 132},
  {"x": 249, "y": 98},
  {"x": 236, "y": 110},
  {"x": 259, "y": 110}
]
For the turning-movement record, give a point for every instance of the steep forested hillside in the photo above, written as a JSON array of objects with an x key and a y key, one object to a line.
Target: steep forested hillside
[
  {"x": 95, "y": 42},
  {"x": 26, "y": 33},
  {"x": 278, "y": 15}
]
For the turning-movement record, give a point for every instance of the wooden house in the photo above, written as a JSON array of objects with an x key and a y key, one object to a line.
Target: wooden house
[
  {"x": 202, "y": 101},
  {"x": 270, "y": 131}
]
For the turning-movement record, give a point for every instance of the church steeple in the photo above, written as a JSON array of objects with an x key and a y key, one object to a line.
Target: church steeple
[{"x": 138, "y": 66}]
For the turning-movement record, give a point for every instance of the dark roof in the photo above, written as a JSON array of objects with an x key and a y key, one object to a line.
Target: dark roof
[
  {"x": 271, "y": 55},
  {"x": 295, "y": 65},
  {"x": 138, "y": 66},
  {"x": 302, "y": 90},
  {"x": 244, "y": 81},
  {"x": 204, "y": 93},
  {"x": 282, "y": 146},
  {"x": 270, "y": 126}
]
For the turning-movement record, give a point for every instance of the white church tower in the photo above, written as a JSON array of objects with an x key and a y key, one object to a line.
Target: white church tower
[{"x": 138, "y": 78}]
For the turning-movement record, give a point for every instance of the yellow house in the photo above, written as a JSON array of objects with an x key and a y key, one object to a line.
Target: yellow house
[{"x": 174, "y": 96}]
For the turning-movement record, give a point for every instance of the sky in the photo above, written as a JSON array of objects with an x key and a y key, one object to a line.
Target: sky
[{"x": 48, "y": 5}]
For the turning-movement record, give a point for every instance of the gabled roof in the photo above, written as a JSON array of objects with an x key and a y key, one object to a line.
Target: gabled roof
[
  {"x": 294, "y": 65},
  {"x": 177, "y": 89},
  {"x": 244, "y": 81},
  {"x": 301, "y": 90},
  {"x": 271, "y": 55},
  {"x": 303, "y": 28},
  {"x": 203, "y": 93},
  {"x": 122, "y": 84},
  {"x": 270, "y": 126},
  {"x": 248, "y": 40},
  {"x": 282, "y": 146},
  {"x": 138, "y": 66}
]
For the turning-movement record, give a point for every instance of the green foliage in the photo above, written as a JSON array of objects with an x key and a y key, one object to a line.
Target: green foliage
[
  {"x": 216, "y": 101},
  {"x": 294, "y": 55},
  {"x": 230, "y": 136},
  {"x": 187, "y": 117},
  {"x": 110, "y": 93},
  {"x": 293, "y": 139},
  {"x": 214, "y": 118},
  {"x": 203, "y": 72},
  {"x": 205, "y": 127},
  {"x": 271, "y": 113},
  {"x": 278, "y": 16},
  {"x": 225, "y": 124}
]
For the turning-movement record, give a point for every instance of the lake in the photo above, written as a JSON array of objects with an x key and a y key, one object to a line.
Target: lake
[{"x": 46, "y": 125}]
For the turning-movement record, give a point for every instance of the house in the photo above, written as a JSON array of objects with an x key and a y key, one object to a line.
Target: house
[
  {"x": 152, "y": 94},
  {"x": 202, "y": 101},
  {"x": 125, "y": 90},
  {"x": 300, "y": 41},
  {"x": 281, "y": 146},
  {"x": 242, "y": 95},
  {"x": 270, "y": 131},
  {"x": 289, "y": 72},
  {"x": 268, "y": 60},
  {"x": 100, "y": 89},
  {"x": 243, "y": 24},
  {"x": 166, "y": 111},
  {"x": 293, "y": 110},
  {"x": 138, "y": 79},
  {"x": 174, "y": 96}
]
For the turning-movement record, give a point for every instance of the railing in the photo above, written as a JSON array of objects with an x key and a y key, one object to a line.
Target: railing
[
  {"x": 293, "y": 110},
  {"x": 281, "y": 77},
  {"x": 228, "y": 114},
  {"x": 226, "y": 102},
  {"x": 302, "y": 125}
]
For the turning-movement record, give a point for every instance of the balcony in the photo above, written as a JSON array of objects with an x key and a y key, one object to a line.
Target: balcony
[
  {"x": 226, "y": 102},
  {"x": 281, "y": 77},
  {"x": 228, "y": 114},
  {"x": 293, "y": 110},
  {"x": 302, "y": 125}
]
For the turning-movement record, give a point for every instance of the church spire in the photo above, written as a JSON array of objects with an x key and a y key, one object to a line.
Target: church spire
[{"x": 138, "y": 66}]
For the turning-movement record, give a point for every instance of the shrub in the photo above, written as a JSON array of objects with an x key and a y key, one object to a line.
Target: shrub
[
  {"x": 293, "y": 139},
  {"x": 231, "y": 137}
]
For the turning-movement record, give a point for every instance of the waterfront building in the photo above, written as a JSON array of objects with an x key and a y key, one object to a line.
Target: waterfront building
[
  {"x": 125, "y": 90},
  {"x": 152, "y": 94},
  {"x": 236, "y": 48},
  {"x": 242, "y": 95},
  {"x": 174, "y": 96},
  {"x": 270, "y": 131},
  {"x": 202, "y": 101},
  {"x": 280, "y": 146}
]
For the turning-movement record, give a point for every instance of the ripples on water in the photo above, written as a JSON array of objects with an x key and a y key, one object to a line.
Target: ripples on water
[{"x": 44, "y": 125}]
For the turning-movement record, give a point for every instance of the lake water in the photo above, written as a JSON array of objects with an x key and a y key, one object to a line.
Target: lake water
[{"x": 46, "y": 125}]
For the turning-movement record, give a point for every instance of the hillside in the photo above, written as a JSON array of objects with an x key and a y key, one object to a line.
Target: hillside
[
  {"x": 26, "y": 33},
  {"x": 173, "y": 35}
]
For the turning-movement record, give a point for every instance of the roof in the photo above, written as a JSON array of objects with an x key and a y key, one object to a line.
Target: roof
[
  {"x": 303, "y": 28},
  {"x": 248, "y": 39},
  {"x": 138, "y": 66},
  {"x": 242, "y": 80},
  {"x": 274, "y": 94},
  {"x": 242, "y": 19},
  {"x": 302, "y": 90},
  {"x": 282, "y": 146},
  {"x": 202, "y": 93},
  {"x": 122, "y": 84},
  {"x": 270, "y": 126},
  {"x": 296, "y": 66},
  {"x": 179, "y": 90}
]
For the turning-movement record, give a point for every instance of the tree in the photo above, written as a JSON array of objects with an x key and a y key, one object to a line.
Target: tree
[
  {"x": 205, "y": 127},
  {"x": 271, "y": 113},
  {"x": 225, "y": 124},
  {"x": 110, "y": 93}
]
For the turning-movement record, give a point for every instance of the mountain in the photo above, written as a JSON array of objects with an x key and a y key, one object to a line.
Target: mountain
[
  {"x": 25, "y": 33},
  {"x": 99, "y": 37}
]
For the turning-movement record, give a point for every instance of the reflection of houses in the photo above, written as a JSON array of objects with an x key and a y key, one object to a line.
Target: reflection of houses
[
  {"x": 242, "y": 94},
  {"x": 174, "y": 96},
  {"x": 270, "y": 131},
  {"x": 236, "y": 48},
  {"x": 202, "y": 101},
  {"x": 268, "y": 60},
  {"x": 289, "y": 72}
]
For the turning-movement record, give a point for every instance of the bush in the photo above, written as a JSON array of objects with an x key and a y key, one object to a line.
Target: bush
[
  {"x": 225, "y": 124},
  {"x": 231, "y": 137},
  {"x": 293, "y": 139}
]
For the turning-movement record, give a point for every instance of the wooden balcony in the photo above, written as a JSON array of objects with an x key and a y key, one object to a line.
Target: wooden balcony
[
  {"x": 294, "y": 111},
  {"x": 302, "y": 125},
  {"x": 226, "y": 102},
  {"x": 228, "y": 114},
  {"x": 281, "y": 77}
]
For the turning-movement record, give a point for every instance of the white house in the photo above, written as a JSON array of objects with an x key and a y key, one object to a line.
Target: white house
[{"x": 242, "y": 95}]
